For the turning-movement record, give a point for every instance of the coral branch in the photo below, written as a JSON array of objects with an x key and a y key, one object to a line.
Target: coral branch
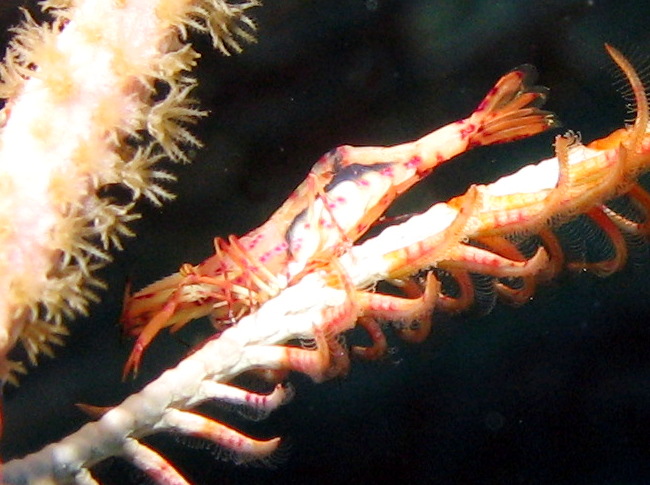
[{"x": 94, "y": 98}]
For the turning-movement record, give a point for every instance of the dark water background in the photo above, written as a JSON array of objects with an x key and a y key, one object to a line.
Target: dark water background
[{"x": 557, "y": 391}]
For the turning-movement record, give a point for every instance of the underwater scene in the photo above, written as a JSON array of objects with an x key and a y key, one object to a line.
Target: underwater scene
[{"x": 555, "y": 391}]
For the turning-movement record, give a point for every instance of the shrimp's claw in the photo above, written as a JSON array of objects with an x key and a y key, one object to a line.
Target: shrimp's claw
[
  {"x": 511, "y": 110},
  {"x": 133, "y": 363},
  {"x": 140, "y": 307},
  {"x": 147, "y": 334}
]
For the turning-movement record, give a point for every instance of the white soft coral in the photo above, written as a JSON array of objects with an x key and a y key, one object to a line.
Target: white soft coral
[{"x": 79, "y": 103}]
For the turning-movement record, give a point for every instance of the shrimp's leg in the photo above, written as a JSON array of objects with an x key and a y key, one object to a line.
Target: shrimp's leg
[
  {"x": 148, "y": 333},
  {"x": 222, "y": 291}
]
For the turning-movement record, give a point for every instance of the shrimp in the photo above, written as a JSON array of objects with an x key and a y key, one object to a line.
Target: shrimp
[{"x": 345, "y": 192}]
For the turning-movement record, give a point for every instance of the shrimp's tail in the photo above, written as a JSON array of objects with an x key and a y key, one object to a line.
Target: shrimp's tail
[{"x": 511, "y": 110}]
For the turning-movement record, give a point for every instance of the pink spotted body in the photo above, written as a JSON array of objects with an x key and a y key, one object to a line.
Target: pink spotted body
[{"x": 346, "y": 191}]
